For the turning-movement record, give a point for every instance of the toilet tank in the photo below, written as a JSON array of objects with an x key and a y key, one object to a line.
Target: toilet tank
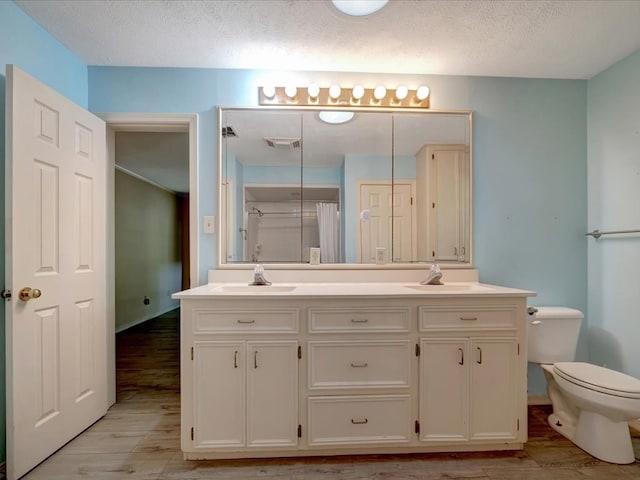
[{"x": 552, "y": 334}]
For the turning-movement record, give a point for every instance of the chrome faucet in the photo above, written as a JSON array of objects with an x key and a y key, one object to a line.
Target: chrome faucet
[
  {"x": 258, "y": 276},
  {"x": 434, "y": 276}
]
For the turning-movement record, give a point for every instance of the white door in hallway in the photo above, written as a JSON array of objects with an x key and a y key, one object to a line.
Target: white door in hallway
[
  {"x": 390, "y": 221},
  {"x": 55, "y": 246}
]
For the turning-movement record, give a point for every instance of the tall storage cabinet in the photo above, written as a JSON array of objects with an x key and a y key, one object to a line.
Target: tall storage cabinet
[{"x": 443, "y": 204}]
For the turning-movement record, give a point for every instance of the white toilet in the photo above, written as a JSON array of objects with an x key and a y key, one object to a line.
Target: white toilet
[{"x": 591, "y": 404}]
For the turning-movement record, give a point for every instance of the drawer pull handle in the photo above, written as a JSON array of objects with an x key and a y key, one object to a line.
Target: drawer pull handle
[
  {"x": 246, "y": 321},
  {"x": 461, "y": 361},
  {"x": 468, "y": 318},
  {"x": 359, "y": 320},
  {"x": 235, "y": 359},
  {"x": 359, "y": 365},
  {"x": 360, "y": 422}
]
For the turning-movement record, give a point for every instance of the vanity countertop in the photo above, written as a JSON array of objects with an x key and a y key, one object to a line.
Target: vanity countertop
[{"x": 348, "y": 290}]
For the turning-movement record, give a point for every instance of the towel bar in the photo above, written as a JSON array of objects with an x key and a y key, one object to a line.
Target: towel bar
[{"x": 598, "y": 233}]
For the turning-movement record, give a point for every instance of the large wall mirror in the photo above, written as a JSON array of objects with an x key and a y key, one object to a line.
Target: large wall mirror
[{"x": 385, "y": 186}]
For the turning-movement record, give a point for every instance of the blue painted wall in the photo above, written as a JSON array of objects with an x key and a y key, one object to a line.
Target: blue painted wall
[
  {"x": 530, "y": 151},
  {"x": 614, "y": 197},
  {"x": 28, "y": 46}
]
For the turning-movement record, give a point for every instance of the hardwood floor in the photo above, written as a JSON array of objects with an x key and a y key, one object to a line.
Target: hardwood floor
[{"x": 139, "y": 438}]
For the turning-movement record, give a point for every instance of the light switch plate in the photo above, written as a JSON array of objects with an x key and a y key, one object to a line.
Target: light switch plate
[{"x": 209, "y": 224}]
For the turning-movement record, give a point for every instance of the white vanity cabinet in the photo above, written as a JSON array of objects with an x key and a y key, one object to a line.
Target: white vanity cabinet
[
  {"x": 242, "y": 393},
  {"x": 359, "y": 379},
  {"x": 471, "y": 374},
  {"x": 330, "y": 373}
]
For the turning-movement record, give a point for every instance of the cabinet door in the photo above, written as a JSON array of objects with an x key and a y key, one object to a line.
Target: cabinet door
[
  {"x": 219, "y": 401},
  {"x": 444, "y": 389},
  {"x": 272, "y": 393},
  {"x": 494, "y": 387}
]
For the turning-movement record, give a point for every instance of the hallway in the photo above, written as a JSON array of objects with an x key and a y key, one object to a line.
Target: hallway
[{"x": 139, "y": 438}]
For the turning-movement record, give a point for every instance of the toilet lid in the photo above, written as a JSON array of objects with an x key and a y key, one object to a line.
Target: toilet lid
[{"x": 598, "y": 378}]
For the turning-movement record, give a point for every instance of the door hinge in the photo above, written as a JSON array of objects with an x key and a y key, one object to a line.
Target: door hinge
[
  {"x": 433, "y": 156},
  {"x": 6, "y": 294},
  {"x": 299, "y": 431},
  {"x": 518, "y": 349},
  {"x": 417, "y": 350},
  {"x": 192, "y": 433},
  {"x": 299, "y": 352},
  {"x": 416, "y": 427},
  {"x": 191, "y": 353},
  {"x": 518, "y": 424},
  {"x": 411, "y": 200}
]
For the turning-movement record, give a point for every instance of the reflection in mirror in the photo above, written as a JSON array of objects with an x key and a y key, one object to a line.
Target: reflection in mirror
[{"x": 385, "y": 186}]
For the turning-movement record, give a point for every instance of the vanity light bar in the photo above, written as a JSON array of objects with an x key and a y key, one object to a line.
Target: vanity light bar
[{"x": 336, "y": 96}]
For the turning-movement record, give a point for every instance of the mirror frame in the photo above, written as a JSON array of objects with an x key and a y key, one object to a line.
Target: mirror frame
[{"x": 336, "y": 266}]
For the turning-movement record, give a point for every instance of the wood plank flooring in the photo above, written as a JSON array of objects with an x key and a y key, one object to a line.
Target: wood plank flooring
[{"x": 139, "y": 438}]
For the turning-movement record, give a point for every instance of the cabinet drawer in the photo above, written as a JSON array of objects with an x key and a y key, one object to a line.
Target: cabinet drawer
[
  {"x": 245, "y": 320},
  {"x": 383, "y": 319},
  {"x": 359, "y": 419},
  {"x": 469, "y": 318},
  {"x": 359, "y": 364}
]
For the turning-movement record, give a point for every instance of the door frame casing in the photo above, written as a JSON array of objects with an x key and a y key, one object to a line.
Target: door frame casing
[{"x": 145, "y": 122}]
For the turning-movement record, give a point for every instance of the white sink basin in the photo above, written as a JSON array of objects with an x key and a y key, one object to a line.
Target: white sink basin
[
  {"x": 451, "y": 287},
  {"x": 253, "y": 289}
]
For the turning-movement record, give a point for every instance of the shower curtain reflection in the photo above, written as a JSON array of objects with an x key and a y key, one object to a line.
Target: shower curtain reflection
[{"x": 329, "y": 231}]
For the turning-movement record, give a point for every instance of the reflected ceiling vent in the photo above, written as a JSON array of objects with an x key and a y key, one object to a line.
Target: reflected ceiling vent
[
  {"x": 283, "y": 143},
  {"x": 228, "y": 132}
]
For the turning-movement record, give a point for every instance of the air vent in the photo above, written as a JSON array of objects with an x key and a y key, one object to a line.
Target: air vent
[
  {"x": 228, "y": 132},
  {"x": 283, "y": 143}
]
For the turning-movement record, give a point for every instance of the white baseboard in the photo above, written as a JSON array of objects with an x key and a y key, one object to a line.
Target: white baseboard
[{"x": 538, "y": 400}]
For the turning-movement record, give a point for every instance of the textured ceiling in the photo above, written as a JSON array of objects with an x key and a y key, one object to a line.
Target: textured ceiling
[{"x": 544, "y": 39}]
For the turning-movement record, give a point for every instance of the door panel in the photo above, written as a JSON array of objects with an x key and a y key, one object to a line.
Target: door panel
[
  {"x": 444, "y": 389},
  {"x": 389, "y": 225},
  {"x": 56, "y": 239},
  {"x": 272, "y": 394}
]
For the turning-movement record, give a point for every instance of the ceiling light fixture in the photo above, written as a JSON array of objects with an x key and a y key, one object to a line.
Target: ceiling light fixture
[
  {"x": 290, "y": 91},
  {"x": 358, "y": 92},
  {"x": 335, "y": 117},
  {"x": 359, "y": 8},
  {"x": 401, "y": 92},
  {"x": 337, "y": 96},
  {"x": 313, "y": 90},
  {"x": 269, "y": 91},
  {"x": 422, "y": 93},
  {"x": 380, "y": 92}
]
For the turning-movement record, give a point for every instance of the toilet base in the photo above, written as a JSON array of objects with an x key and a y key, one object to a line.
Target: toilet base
[{"x": 597, "y": 435}]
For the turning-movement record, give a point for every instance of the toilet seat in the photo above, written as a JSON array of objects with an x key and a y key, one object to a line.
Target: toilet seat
[{"x": 599, "y": 379}]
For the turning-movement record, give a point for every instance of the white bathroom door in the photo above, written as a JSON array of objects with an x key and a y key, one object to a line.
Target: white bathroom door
[
  {"x": 55, "y": 246},
  {"x": 388, "y": 223}
]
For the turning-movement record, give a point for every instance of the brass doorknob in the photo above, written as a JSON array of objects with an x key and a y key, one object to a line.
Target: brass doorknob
[{"x": 27, "y": 294}]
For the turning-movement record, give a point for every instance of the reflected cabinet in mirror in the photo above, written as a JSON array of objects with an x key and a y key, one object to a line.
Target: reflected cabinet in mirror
[{"x": 384, "y": 186}]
